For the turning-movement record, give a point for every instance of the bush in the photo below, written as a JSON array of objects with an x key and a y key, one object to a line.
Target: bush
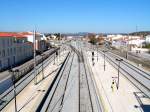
[{"x": 147, "y": 46}]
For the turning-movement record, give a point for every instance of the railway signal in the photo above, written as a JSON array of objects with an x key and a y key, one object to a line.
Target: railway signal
[
  {"x": 93, "y": 57},
  {"x": 92, "y": 53},
  {"x": 57, "y": 55}
]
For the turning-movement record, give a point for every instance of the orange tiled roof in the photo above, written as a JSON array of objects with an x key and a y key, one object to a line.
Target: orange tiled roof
[
  {"x": 26, "y": 33},
  {"x": 11, "y": 34}
]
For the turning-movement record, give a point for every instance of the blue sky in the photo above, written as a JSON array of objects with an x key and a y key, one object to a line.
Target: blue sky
[{"x": 106, "y": 16}]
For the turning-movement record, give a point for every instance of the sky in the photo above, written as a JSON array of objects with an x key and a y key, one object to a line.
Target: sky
[{"x": 71, "y": 16}]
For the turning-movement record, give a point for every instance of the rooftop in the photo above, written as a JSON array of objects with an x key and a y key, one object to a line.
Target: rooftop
[{"x": 11, "y": 34}]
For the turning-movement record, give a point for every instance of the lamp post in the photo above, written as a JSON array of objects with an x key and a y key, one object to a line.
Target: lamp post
[
  {"x": 97, "y": 51},
  {"x": 104, "y": 51},
  {"x": 14, "y": 86},
  {"x": 119, "y": 60}
]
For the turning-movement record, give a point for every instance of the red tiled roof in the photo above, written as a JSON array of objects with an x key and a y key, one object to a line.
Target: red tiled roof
[
  {"x": 26, "y": 33},
  {"x": 10, "y": 34},
  {"x": 5, "y": 34},
  {"x": 29, "y": 33}
]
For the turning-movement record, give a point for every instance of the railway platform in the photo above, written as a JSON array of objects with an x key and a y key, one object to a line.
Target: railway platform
[
  {"x": 30, "y": 97},
  {"x": 127, "y": 98}
]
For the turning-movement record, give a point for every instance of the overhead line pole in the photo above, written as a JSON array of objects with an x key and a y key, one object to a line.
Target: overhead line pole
[{"x": 34, "y": 45}]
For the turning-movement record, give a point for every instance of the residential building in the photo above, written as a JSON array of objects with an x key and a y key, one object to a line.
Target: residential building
[
  {"x": 14, "y": 49},
  {"x": 148, "y": 39},
  {"x": 123, "y": 40},
  {"x": 41, "y": 44}
]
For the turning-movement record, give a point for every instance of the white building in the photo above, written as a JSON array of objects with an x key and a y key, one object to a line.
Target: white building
[
  {"x": 14, "y": 49},
  {"x": 148, "y": 39},
  {"x": 122, "y": 40},
  {"x": 136, "y": 40},
  {"x": 40, "y": 40}
]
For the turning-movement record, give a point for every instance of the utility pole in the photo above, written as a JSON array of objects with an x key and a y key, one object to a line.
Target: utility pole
[
  {"x": 34, "y": 42},
  {"x": 127, "y": 42},
  {"x": 97, "y": 51},
  {"x": 104, "y": 59}
]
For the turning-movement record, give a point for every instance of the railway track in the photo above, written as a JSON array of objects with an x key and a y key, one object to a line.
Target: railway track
[
  {"x": 54, "y": 95},
  {"x": 85, "y": 100},
  {"x": 136, "y": 69},
  {"x": 88, "y": 98},
  {"x": 8, "y": 95},
  {"x": 63, "y": 97},
  {"x": 136, "y": 76}
]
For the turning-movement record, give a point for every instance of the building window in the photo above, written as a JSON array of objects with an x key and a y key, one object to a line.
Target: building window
[
  {"x": 3, "y": 41},
  {"x": 8, "y": 42},
  {"x": 14, "y": 50},
  {"x": 14, "y": 61},
  {"x": 0, "y": 64},
  {"x": 11, "y": 52},
  {"x": 11, "y": 41},
  {"x": 8, "y": 52},
  {"x": 8, "y": 62},
  {"x": 3, "y": 53}
]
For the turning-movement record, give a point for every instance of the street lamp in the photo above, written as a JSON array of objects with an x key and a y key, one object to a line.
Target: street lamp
[
  {"x": 104, "y": 51},
  {"x": 13, "y": 72},
  {"x": 119, "y": 60}
]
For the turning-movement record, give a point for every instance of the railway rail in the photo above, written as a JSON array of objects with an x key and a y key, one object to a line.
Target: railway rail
[
  {"x": 48, "y": 103},
  {"x": 56, "y": 97},
  {"x": 139, "y": 78},
  {"x": 8, "y": 95}
]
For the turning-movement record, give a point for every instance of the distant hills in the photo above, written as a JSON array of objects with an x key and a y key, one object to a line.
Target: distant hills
[
  {"x": 143, "y": 33},
  {"x": 140, "y": 33}
]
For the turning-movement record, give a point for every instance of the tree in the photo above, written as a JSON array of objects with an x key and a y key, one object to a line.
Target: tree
[{"x": 92, "y": 38}]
